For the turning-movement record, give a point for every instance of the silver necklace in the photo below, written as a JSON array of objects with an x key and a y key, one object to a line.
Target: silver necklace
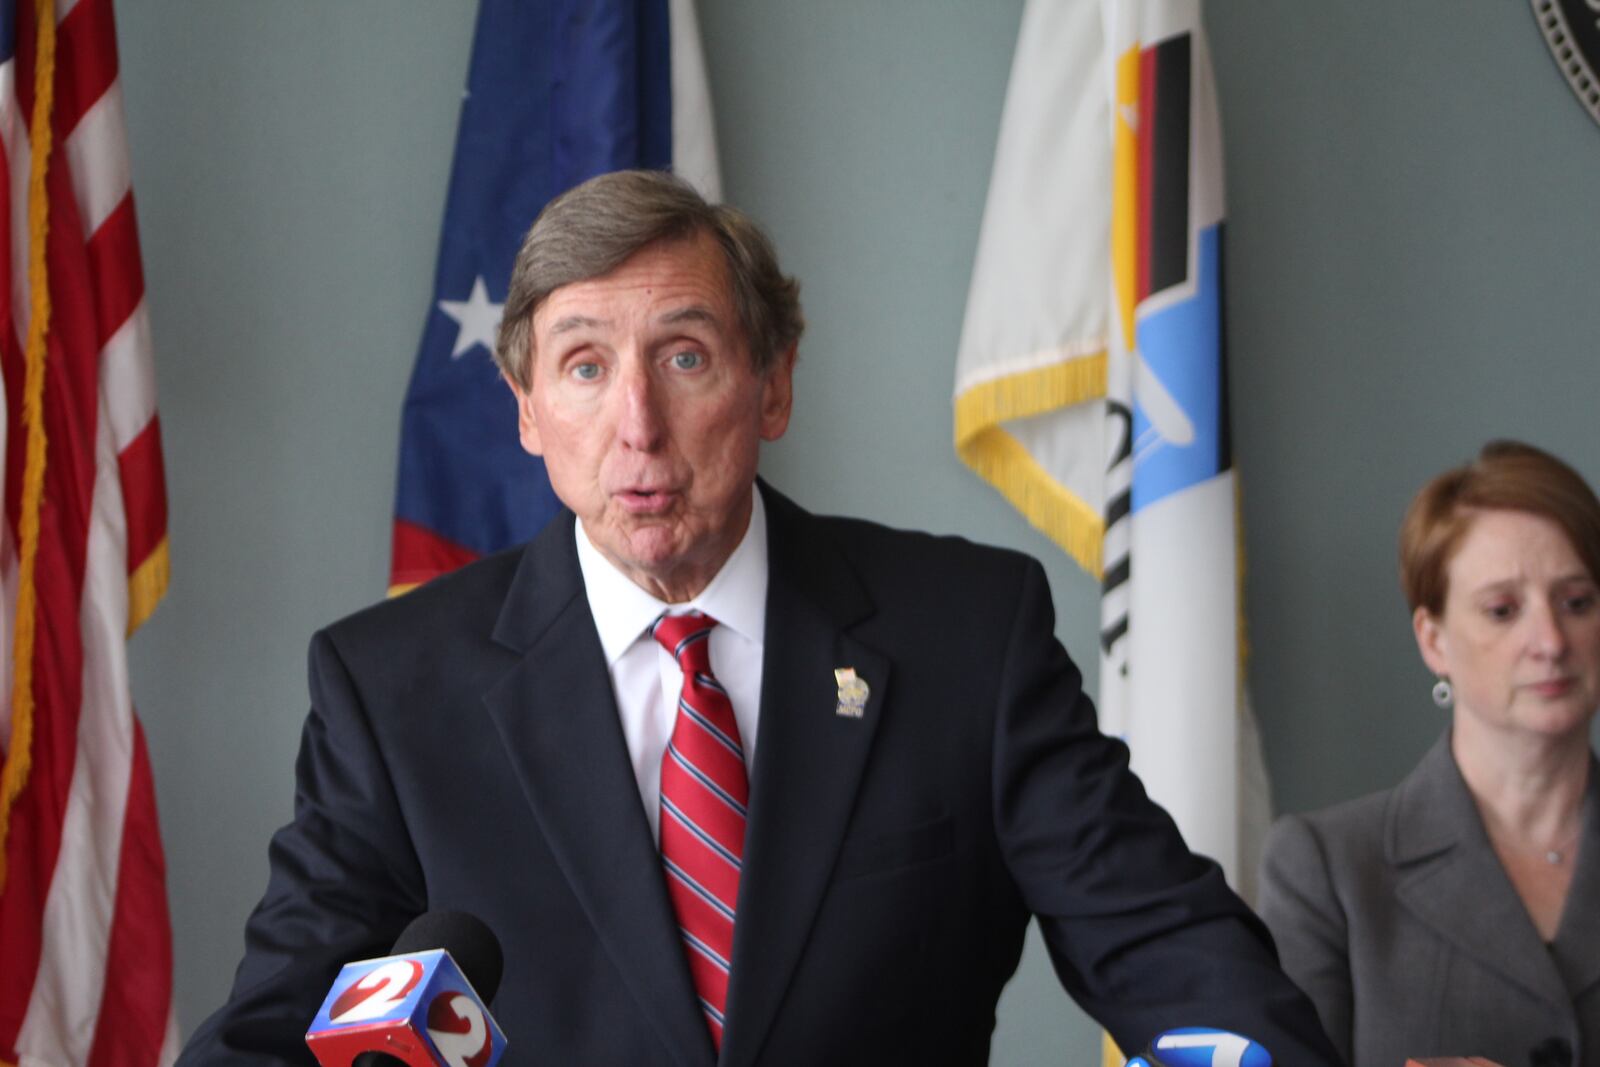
[{"x": 1557, "y": 855}]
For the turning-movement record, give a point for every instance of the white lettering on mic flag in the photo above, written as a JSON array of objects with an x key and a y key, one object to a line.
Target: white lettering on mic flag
[{"x": 1091, "y": 384}]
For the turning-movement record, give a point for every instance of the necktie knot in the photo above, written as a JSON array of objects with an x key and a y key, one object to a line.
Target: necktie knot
[{"x": 687, "y": 638}]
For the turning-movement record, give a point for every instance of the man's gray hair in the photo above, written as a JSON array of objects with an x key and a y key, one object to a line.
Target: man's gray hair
[{"x": 592, "y": 229}]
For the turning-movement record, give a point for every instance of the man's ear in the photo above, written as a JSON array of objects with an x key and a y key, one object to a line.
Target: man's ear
[
  {"x": 527, "y": 421},
  {"x": 777, "y": 394},
  {"x": 1430, "y": 641}
]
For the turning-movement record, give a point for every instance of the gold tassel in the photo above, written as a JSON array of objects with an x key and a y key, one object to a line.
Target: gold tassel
[{"x": 19, "y": 761}]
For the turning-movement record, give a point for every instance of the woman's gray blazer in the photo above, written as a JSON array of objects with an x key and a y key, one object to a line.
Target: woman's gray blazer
[{"x": 1393, "y": 913}]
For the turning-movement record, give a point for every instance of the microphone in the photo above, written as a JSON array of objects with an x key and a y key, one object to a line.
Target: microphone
[
  {"x": 1199, "y": 1046},
  {"x": 419, "y": 1006}
]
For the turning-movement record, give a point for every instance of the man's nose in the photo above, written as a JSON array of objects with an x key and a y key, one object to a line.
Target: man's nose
[{"x": 640, "y": 422}]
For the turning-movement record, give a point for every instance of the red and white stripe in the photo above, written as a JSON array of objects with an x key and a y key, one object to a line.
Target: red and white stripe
[{"x": 85, "y": 939}]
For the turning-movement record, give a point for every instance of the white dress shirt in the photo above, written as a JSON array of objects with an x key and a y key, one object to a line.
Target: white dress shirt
[{"x": 645, "y": 678}]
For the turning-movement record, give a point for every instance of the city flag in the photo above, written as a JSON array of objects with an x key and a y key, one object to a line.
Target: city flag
[
  {"x": 1091, "y": 384},
  {"x": 558, "y": 92},
  {"x": 85, "y": 941}
]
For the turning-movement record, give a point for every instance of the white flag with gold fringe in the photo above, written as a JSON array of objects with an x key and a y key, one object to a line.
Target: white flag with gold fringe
[{"x": 1091, "y": 384}]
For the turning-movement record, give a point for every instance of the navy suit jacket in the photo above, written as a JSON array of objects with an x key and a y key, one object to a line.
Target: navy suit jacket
[{"x": 463, "y": 751}]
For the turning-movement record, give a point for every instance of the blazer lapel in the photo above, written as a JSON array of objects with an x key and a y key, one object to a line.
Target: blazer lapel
[
  {"x": 1579, "y": 932},
  {"x": 807, "y": 768},
  {"x": 1450, "y": 879},
  {"x": 558, "y": 718}
]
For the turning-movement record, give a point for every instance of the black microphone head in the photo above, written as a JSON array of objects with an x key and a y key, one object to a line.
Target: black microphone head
[{"x": 468, "y": 940}]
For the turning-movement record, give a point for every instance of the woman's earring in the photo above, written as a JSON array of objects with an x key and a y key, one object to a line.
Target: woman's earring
[{"x": 1443, "y": 695}]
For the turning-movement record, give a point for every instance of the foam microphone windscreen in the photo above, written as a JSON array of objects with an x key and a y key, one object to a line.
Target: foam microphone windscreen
[{"x": 466, "y": 937}]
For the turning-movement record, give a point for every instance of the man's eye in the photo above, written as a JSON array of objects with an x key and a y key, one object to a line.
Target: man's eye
[
  {"x": 1500, "y": 612},
  {"x": 586, "y": 372},
  {"x": 687, "y": 360}
]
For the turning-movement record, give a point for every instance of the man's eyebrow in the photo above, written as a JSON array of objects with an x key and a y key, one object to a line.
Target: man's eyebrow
[
  {"x": 568, "y": 323},
  {"x": 693, "y": 313}
]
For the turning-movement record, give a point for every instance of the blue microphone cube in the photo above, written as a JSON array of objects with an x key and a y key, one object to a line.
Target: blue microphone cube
[{"x": 417, "y": 1007}]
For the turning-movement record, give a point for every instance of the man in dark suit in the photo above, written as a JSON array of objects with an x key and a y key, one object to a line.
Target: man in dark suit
[{"x": 732, "y": 782}]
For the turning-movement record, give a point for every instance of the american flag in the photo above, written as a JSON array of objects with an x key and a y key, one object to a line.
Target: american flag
[
  {"x": 85, "y": 940},
  {"x": 558, "y": 91}
]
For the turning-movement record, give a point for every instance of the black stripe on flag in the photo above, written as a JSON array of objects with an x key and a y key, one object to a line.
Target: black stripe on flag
[{"x": 1169, "y": 164}]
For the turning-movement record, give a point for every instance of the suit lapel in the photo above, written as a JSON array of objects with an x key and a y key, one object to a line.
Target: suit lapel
[
  {"x": 1450, "y": 879},
  {"x": 557, "y": 716},
  {"x": 808, "y": 765},
  {"x": 1579, "y": 932}
]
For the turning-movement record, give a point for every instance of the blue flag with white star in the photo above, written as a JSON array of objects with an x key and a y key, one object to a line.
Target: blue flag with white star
[{"x": 558, "y": 91}]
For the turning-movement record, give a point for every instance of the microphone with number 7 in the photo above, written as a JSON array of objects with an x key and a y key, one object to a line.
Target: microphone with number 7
[
  {"x": 419, "y": 1006},
  {"x": 1199, "y": 1046}
]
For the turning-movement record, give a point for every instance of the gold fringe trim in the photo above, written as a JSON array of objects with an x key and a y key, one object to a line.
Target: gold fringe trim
[
  {"x": 999, "y": 459},
  {"x": 1110, "y": 1055},
  {"x": 402, "y": 588},
  {"x": 1033, "y": 392},
  {"x": 147, "y": 585},
  {"x": 1075, "y": 527},
  {"x": 19, "y": 761}
]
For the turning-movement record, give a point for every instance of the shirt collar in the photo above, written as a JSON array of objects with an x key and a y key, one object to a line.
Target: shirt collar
[{"x": 736, "y": 596}]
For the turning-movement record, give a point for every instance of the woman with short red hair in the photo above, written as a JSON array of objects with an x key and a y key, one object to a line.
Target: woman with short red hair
[{"x": 1459, "y": 913}]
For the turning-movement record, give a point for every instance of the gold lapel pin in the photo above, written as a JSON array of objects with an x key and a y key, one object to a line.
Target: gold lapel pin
[{"x": 853, "y": 693}]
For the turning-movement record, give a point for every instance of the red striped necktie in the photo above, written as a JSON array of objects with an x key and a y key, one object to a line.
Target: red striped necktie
[{"x": 704, "y": 793}]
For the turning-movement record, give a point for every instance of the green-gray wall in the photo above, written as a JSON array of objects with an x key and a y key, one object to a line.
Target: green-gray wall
[{"x": 1411, "y": 261}]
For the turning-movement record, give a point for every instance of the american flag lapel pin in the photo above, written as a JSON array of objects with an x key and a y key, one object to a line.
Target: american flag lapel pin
[{"x": 853, "y": 693}]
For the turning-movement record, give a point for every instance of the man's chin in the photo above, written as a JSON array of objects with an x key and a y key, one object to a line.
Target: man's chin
[
  {"x": 653, "y": 541},
  {"x": 644, "y": 550}
]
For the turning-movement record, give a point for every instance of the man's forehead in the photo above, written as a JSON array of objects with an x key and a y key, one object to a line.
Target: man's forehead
[{"x": 684, "y": 267}]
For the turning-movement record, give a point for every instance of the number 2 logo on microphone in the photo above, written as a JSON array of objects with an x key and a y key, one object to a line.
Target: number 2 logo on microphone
[
  {"x": 459, "y": 1031},
  {"x": 377, "y": 993}
]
